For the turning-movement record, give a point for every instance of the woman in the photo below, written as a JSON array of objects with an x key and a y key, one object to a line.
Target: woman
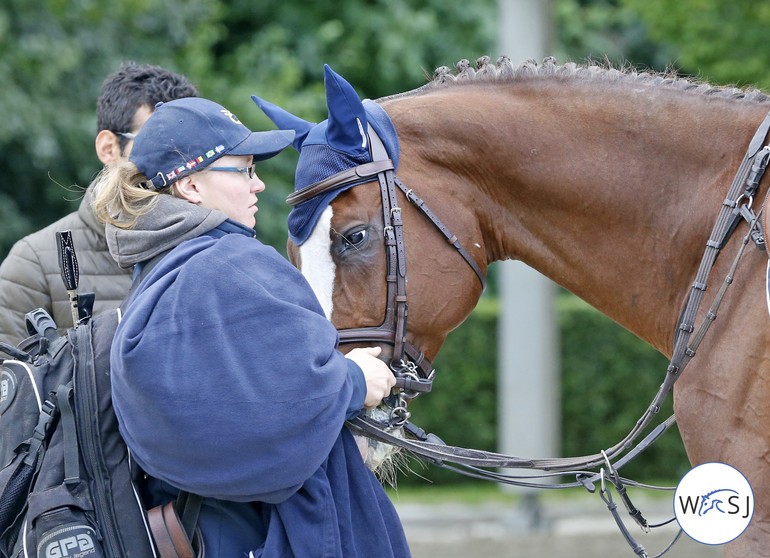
[{"x": 225, "y": 375}]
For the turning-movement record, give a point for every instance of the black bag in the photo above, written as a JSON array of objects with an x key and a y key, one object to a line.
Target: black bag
[{"x": 68, "y": 487}]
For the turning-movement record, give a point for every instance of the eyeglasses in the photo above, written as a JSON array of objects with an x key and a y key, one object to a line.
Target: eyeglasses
[
  {"x": 127, "y": 135},
  {"x": 250, "y": 170}
]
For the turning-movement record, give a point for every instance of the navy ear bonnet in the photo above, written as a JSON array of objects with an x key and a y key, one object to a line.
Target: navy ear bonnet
[{"x": 334, "y": 145}]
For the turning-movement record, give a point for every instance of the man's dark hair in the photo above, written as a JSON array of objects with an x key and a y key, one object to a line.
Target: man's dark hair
[{"x": 132, "y": 86}]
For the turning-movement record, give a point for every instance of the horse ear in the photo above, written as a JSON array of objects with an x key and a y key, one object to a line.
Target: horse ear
[
  {"x": 285, "y": 121},
  {"x": 347, "y": 118}
]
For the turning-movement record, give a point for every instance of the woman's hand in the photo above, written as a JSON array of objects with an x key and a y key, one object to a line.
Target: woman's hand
[{"x": 379, "y": 379}]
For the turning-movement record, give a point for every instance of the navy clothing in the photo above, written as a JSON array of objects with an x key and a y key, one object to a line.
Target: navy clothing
[{"x": 227, "y": 383}]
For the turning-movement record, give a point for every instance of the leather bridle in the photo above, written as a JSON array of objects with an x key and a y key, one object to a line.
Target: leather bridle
[{"x": 414, "y": 372}]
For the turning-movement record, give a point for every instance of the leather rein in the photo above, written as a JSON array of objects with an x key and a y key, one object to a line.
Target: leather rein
[{"x": 414, "y": 372}]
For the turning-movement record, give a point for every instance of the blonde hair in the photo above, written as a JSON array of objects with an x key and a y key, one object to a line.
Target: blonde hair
[{"x": 121, "y": 196}]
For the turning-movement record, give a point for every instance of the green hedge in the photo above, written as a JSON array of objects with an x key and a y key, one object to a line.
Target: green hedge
[{"x": 608, "y": 378}]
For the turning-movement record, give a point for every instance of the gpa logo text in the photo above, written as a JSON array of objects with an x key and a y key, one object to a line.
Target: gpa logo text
[
  {"x": 69, "y": 541},
  {"x": 714, "y": 503},
  {"x": 76, "y": 547}
]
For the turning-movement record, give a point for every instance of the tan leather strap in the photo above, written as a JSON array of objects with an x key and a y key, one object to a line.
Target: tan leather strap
[{"x": 169, "y": 535}]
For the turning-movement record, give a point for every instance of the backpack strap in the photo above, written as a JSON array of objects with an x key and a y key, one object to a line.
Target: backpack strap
[
  {"x": 14, "y": 353},
  {"x": 188, "y": 507},
  {"x": 13, "y": 498},
  {"x": 71, "y": 456}
]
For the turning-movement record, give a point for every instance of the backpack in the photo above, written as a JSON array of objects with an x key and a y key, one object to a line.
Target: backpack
[{"x": 68, "y": 487}]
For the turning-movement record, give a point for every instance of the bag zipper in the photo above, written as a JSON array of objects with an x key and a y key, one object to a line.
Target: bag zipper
[{"x": 87, "y": 409}]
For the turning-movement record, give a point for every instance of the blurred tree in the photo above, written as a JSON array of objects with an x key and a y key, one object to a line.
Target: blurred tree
[
  {"x": 277, "y": 51},
  {"x": 722, "y": 42},
  {"x": 54, "y": 55},
  {"x": 605, "y": 30}
]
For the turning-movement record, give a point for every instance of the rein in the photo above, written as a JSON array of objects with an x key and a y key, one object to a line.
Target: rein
[{"x": 415, "y": 375}]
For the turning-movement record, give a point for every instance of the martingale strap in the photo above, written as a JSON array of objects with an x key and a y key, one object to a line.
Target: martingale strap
[{"x": 743, "y": 188}]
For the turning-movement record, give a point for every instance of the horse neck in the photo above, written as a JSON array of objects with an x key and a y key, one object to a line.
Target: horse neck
[{"x": 609, "y": 191}]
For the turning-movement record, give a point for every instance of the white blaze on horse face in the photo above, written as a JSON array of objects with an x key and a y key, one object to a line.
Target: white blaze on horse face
[{"x": 316, "y": 261}]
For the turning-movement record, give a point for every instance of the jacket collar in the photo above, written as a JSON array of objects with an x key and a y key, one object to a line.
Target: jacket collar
[{"x": 86, "y": 210}]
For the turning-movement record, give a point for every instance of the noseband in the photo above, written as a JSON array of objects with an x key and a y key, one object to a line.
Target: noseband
[{"x": 414, "y": 373}]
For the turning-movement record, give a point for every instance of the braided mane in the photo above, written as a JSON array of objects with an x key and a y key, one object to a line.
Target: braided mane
[{"x": 503, "y": 70}]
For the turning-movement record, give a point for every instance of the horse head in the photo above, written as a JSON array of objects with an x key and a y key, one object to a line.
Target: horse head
[{"x": 342, "y": 226}]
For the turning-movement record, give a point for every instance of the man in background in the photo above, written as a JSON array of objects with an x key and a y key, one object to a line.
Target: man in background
[{"x": 29, "y": 276}]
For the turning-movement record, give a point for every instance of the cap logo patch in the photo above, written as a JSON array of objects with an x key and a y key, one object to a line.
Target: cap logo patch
[{"x": 230, "y": 115}]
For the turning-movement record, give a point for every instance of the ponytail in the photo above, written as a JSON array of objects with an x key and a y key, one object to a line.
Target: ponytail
[{"x": 121, "y": 196}]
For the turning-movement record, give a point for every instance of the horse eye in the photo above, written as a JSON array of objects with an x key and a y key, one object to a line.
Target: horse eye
[{"x": 355, "y": 238}]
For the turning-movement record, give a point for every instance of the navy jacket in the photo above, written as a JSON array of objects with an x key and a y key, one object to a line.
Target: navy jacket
[{"x": 227, "y": 383}]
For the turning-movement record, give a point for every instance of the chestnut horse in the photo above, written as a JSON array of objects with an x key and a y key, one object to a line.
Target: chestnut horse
[{"x": 607, "y": 181}]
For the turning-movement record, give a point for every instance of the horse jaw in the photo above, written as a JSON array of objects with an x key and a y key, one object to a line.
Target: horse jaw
[{"x": 319, "y": 269}]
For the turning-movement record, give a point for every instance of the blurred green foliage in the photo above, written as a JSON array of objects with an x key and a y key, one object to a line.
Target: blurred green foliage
[
  {"x": 718, "y": 41},
  {"x": 608, "y": 30},
  {"x": 54, "y": 55},
  {"x": 608, "y": 379}
]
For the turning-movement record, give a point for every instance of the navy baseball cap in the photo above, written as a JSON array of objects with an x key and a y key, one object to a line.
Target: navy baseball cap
[{"x": 185, "y": 135}]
